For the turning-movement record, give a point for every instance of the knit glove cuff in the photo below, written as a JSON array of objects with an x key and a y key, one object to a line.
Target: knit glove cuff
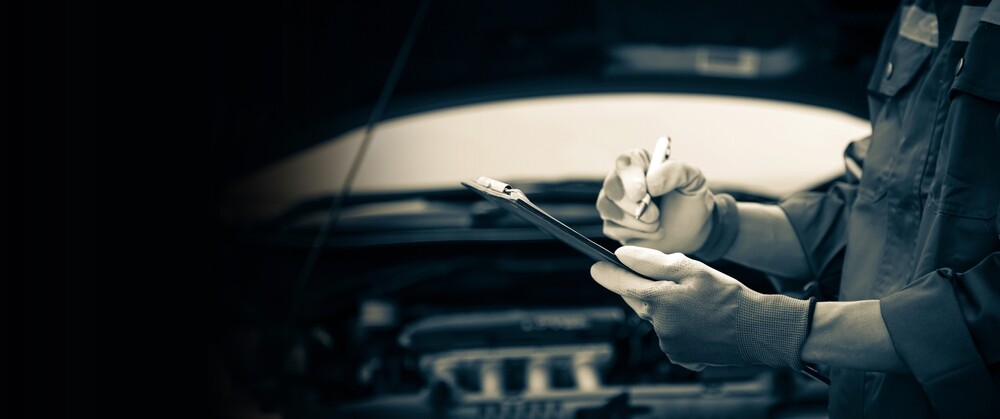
[
  {"x": 725, "y": 227},
  {"x": 771, "y": 328}
]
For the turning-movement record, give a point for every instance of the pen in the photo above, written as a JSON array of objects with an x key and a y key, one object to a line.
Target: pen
[
  {"x": 661, "y": 152},
  {"x": 814, "y": 373}
]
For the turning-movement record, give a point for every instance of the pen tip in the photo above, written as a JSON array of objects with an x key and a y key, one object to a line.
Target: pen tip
[{"x": 639, "y": 210}]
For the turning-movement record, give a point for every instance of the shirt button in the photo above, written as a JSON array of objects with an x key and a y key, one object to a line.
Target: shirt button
[
  {"x": 961, "y": 64},
  {"x": 888, "y": 71}
]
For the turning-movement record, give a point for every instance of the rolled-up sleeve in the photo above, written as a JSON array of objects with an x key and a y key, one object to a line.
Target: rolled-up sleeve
[
  {"x": 820, "y": 218},
  {"x": 820, "y": 222},
  {"x": 946, "y": 328}
]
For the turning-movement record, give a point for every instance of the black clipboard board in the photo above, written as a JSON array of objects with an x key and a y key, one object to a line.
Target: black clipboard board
[{"x": 517, "y": 202}]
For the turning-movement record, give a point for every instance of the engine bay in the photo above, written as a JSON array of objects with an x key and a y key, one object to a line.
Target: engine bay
[{"x": 483, "y": 318}]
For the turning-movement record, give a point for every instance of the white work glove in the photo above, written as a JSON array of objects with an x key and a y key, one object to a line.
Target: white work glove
[
  {"x": 705, "y": 317},
  {"x": 679, "y": 218}
]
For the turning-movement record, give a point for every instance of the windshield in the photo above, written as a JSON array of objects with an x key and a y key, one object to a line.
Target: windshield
[{"x": 766, "y": 147}]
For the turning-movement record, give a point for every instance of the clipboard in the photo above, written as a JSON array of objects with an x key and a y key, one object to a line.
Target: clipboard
[{"x": 517, "y": 202}]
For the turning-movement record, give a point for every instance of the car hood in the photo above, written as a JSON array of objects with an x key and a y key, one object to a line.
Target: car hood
[
  {"x": 302, "y": 74},
  {"x": 769, "y": 148}
]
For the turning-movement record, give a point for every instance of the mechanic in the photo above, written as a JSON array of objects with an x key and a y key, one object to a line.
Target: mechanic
[{"x": 910, "y": 238}]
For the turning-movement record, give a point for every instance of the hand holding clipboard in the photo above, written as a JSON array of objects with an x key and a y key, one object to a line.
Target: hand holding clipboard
[{"x": 517, "y": 202}]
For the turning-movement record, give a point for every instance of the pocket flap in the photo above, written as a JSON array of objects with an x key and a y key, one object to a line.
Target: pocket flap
[
  {"x": 899, "y": 67},
  {"x": 978, "y": 70}
]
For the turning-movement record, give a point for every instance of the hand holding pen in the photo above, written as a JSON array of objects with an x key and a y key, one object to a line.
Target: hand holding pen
[
  {"x": 679, "y": 220},
  {"x": 661, "y": 152}
]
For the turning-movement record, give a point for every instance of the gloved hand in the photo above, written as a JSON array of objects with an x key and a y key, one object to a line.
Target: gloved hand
[
  {"x": 680, "y": 220},
  {"x": 703, "y": 316}
]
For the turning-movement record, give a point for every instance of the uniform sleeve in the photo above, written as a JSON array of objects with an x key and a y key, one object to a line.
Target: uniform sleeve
[
  {"x": 946, "y": 328},
  {"x": 820, "y": 218}
]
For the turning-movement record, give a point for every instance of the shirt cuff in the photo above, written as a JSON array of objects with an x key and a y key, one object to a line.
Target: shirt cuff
[{"x": 929, "y": 333}]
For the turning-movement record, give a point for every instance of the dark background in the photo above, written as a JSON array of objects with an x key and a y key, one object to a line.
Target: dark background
[{"x": 147, "y": 112}]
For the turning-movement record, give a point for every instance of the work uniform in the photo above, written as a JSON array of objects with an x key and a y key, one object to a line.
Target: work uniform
[{"x": 916, "y": 224}]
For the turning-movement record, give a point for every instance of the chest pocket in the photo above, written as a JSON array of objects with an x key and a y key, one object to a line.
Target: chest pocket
[
  {"x": 895, "y": 73},
  {"x": 899, "y": 67},
  {"x": 916, "y": 37},
  {"x": 966, "y": 193},
  {"x": 971, "y": 186},
  {"x": 977, "y": 72}
]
